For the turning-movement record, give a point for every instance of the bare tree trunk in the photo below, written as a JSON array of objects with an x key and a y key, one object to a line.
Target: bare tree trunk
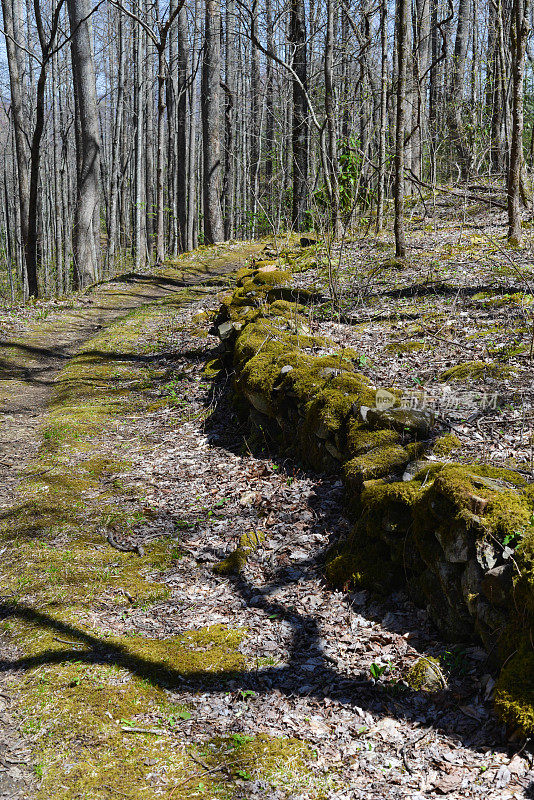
[
  {"x": 192, "y": 172},
  {"x": 211, "y": 124},
  {"x": 434, "y": 87},
  {"x": 12, "y": 21},
  {"x": 181, "y": 130},
  {"x": 332, "y": 162},
  {"x": 87, "y": 215},
  {"x": 255, "y": 113},
  {"x": 113, "y": 220},
  {"x": 402, "y": 58},
  {"x": 421, "y": 63},
  {"x": 269, "y": 109},
  {"x": 151, "y": 187},
  {"x": 456, "y": 93},
  {"x": 383, "y": 116},
  {"x": 160, "y": 154},
  {"x": 519, "y": 33},
  {"x": 300, "y": 124},
  {"x": 138, "y": 240},
  {"x": 171, "y": 91},
  {"x": 229, "y": 121}
]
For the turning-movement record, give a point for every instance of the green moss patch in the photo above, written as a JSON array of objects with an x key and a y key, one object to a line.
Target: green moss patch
[
  {"x": 446, "y": 444},
  {"x": 514, "y": 696},
  {"x": 101, "y": 728},
  {"x": 279, "y": 760},
  {"x": 84, "y": 690},
  {"x": 426, "y": 675},
  {"x": 477, "y": 370},
  {"x": 234, "y": 563}
]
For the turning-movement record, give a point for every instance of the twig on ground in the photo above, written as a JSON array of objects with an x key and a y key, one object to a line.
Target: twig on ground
[
  {"x": 408, "y": 745},
  {"x": 221, "y": 768}
]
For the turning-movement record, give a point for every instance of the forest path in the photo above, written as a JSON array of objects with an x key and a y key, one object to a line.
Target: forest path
[
  {"x": 32, "y": 352},
  {"x": 148, "y": 676}
]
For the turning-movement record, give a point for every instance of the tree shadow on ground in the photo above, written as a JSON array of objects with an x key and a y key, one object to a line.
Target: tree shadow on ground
[
  {"x": 224, "y": 429},
  {"x": 328, "y": 681},
  {"x": 307, "y": 671}
]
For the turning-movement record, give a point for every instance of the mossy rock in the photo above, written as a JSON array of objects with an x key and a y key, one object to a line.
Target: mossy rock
[
  {"x": 328, "y": 412},
  {"x": 361, "y": 439},
  {"x": 275, "y": 277},
  {"x": 524, "y": 581},
  {"x": 364, "y": 563},
  {"x": 514, "y": 695},
  {"x": 376, "y": 463},
  {"x": 413, "y": 423},
  {"x": 291, "y": 294},
  {"x": 426, "y": 675},
  {"x": 389, "y": 506}
]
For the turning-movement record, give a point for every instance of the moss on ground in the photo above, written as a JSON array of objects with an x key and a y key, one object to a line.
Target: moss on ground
[
  {"x": 478, "y": 370},
  {"x": 401, "y": 348},
  {"x": 446, "y": 444},
  {"x": 83, "y": 690},
  {"x": 235, "y": 562}
]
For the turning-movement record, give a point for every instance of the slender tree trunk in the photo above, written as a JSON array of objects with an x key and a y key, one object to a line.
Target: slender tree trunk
[
  {"x": 255, "y": 113},
  {"x": 160, "y": 155},
  {"x": 383, "y": 117},
  {"x": 32, "y": 247},
  {"x": 87, "y": 214},
  {"x": 12, "y": 13},
  {"x": 434, "y": 89},
  {"x": 519, "y": 34},
  {"x": 113, "y": 223},
  {"x": 269, "y": 109},
  {"x": 400, "y": 132},
  {"x": 229, "y": 121},
  {"x": 181, "y": 131},
  {"x": 332, "y": 162},
  {"x": 151, "y": 188},
  {"x": 192, "y": 172},
  {"x": 59, "y": 233},
  {"x": 138, "y": 241},
  {"x": 211, "y": 124},
  {"x": 300, "y": 125},
  {"x": 456, "y": 93},
  {"x": 174, "y": 238}
]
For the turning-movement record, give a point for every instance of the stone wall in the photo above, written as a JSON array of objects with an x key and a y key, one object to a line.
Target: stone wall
[{"x": 459, "y": 538}]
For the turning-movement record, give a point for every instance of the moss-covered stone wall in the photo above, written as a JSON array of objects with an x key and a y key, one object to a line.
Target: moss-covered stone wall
[{"x": 459, "y": 538}]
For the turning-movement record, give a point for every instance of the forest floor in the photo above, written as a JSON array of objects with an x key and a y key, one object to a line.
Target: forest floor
[{"x": 142, "y": 673}]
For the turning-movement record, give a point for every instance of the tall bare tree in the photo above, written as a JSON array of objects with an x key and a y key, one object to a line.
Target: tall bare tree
[
  {"x": 86, "y": 234},
  {"x": 519, "y": 33},
  {"x": 211, "y": 124}
]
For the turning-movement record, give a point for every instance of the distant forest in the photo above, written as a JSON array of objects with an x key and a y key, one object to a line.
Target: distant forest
[{"x": 134, "y": 131}]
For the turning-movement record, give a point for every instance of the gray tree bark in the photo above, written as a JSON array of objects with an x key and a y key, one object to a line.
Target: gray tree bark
[
  {"x": 519, "y": 34},
  {"x": 300, "y": 124},
  {"x": 400, "y": 128},
  {"x": 211, "y": 124},
  {"x": 86, "y": 233}
]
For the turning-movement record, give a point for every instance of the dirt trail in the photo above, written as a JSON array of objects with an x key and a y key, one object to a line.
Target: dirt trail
[
  {"x": 29, "y": 364},
  {"x": 153, "y": 676}
]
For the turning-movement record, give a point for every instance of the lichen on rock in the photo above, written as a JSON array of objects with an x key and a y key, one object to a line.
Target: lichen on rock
[{"x": 426, "y": 675}]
